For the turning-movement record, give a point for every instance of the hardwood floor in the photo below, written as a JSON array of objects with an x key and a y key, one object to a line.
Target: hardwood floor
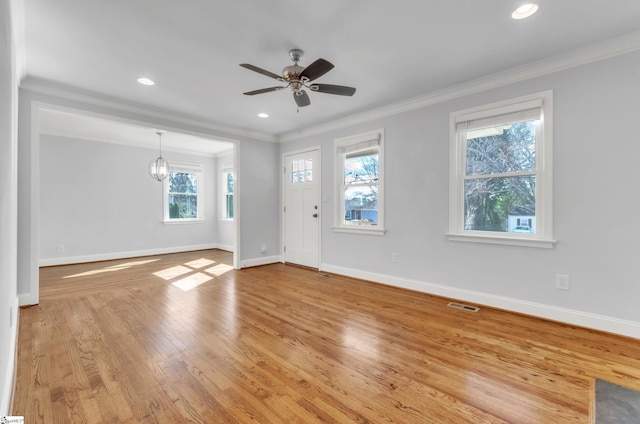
[{"x": 185, "y": 338}]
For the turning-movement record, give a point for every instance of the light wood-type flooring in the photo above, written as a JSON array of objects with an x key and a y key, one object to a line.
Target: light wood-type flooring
[{"x": 185, "y": 338}]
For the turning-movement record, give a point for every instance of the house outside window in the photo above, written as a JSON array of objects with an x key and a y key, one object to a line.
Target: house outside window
[
  {"x": 184, "y": 193},
  {"x": 359, "y": 188},
  {"x": 501, "y": 173}
]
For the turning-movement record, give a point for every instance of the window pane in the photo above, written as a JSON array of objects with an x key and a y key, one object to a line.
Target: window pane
[
  {"x": 229, "y": 206},
  {"x": 183, "y": 206},
  {"x": 361, "y": 168},
  {"x": 229, "y": 182},
  {"x": 183, "y": 182},
  {"x": 361, "y": 205},
  {"x": 301, "y": 171},
  {"x": 507, "y": 148},
  {"x": 500, "y": 204}
]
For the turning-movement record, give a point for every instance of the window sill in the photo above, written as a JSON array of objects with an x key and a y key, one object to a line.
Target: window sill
[
  {"x": 509, "y": 241},
  {"x": 183, "y": 221},
  {"x": 227, "y": 221},
  {"x": 360, "y": 230}
]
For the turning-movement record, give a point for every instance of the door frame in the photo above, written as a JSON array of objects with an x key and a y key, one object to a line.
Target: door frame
[{"x": 283, "y": 199}]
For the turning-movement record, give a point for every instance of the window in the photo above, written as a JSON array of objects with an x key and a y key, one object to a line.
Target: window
[
  {"x": 227, "y": 192},
  {"x": 500, "y": 173},
  {"x": 184, "y": 193},
  {"x": 359, "y": 175}
]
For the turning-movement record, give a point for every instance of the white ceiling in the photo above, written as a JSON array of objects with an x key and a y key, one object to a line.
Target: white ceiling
[{"x": 391, "y": 51}]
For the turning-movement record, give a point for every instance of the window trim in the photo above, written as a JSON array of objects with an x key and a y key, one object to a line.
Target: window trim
[
  {"x": 544, "y": 172},
  {"x": 188, "y": 168},
  {"x": 225, "y": 170},
  {"x": 339, "y": 156}
]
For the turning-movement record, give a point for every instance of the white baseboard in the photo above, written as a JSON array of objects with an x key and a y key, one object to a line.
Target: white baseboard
[
  {"x": 260, "y": 261},
  {"x": 564, "y": 315},
  {"x": 128, "y": 254},
  {"x": 7, "y": 385},
  {"x": 226, "y": 247}
]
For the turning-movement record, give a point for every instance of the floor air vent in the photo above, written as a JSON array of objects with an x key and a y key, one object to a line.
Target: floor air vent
[
  {"x": 323, "y": 275},
  {"x": 463, "y": 307}
]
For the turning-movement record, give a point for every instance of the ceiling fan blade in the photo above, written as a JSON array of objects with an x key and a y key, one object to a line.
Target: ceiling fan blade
[
  {"x": 316, "y": 69},
  {"x": 261, "y": 71},
  {"x": 302, "y": 98},
  {"x": 263, "y": 90},
  {"x": 341, "y": 90}
]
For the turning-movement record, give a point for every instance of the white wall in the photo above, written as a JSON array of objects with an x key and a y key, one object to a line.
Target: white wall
[
  {"x": 256, "y": 205},
  {"x": 8, "y": 203},
  {"x": 596, "y": 157},
  {"x": 99, "y": 202},
  {"x": 226, "y": 228},
  {"x": 258, "y": 180}
]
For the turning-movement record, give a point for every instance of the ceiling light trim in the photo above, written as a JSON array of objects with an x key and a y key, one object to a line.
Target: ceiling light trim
[{"x": 525, "y": 11}]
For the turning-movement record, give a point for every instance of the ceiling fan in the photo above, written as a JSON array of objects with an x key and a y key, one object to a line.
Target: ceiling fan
[{"x": 299, "y": 78}]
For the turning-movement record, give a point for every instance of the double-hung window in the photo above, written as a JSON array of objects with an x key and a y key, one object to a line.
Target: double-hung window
[
  {"x": 359, "y": 188},
  {"x": 184, "y": 193},
  {"x": 501, "y": 174},
  {"x": 228, "y": 181}
]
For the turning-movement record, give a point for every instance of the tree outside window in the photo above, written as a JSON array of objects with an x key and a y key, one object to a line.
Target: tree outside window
[
  {"x": 500, "y": 185},
  {"x": 359, "y": 188},
  {"x": 183, "y": 188},
  {"x": 500, "y": 175}
]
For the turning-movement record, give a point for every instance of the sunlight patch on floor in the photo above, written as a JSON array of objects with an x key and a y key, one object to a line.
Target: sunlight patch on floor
[
  {"x": 200, "y": 263},
  {"x": 173, "y": 272},
  {"x": 192, "y": 281},
  {"x": 112, "y": 268},
  {"x": 219, "y": 269}
]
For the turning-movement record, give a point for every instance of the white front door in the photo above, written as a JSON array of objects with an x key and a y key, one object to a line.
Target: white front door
[{"x": 302, "y": 208}]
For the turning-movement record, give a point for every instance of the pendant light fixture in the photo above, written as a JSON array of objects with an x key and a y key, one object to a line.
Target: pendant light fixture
[{"x": 159, "y": 168}]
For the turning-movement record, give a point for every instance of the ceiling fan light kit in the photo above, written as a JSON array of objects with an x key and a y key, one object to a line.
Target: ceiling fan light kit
[{"x": 298, "y": 78}]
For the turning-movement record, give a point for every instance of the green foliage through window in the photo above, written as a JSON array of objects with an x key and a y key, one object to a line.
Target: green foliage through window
[
  {"x": 500, "y": 178},
  {"x": 183, "y": 195}
]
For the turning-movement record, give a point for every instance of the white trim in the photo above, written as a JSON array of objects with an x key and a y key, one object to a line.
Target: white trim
[
  {"x": 260, "y": 261},
  {"x": 365, "y": 140},
  {"x": 601, "y": 51},
  {"x": 354, "y": 229},
  {"x": 40, "y": 87},
  {"x": 555, "y": 313},
  {"x": 543, "y": 172},
  {"x": 225, "y": 247},
  {"x": 10, "y": 366},
  {"x": 283, "y": 198},
  {"x": 186, "y": 168},
  {"x": 506, "y": 239},
  {"x": 33, "y": 296},
  {"x": 126, "y": 254}
]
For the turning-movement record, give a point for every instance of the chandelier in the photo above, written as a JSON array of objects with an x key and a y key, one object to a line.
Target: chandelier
[{"x": 159, "y": 168}]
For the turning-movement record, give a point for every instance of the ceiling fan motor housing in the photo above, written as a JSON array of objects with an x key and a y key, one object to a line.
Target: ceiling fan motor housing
[{"x": 292, "y": 72}]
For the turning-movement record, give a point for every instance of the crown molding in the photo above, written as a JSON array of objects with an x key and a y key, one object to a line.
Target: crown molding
[
  {"x": 593, "y": 53},
  {"x": 68, "y": 93}
]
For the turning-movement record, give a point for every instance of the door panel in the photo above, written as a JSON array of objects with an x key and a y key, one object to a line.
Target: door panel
[{"x": 302, "y": 209}]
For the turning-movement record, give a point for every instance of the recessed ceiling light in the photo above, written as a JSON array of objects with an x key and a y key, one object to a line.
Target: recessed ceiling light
[
  {"x": 145, "y": 81},
  {"x": 525, "y": 11},
  {"x": 263, "y": 115}
]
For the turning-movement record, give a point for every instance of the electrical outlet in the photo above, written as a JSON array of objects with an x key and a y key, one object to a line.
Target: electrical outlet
[
  {"x": 394, "y": 257},
  {"x": 562, "y": 282},
  {"x": 61, "y": 248}
]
